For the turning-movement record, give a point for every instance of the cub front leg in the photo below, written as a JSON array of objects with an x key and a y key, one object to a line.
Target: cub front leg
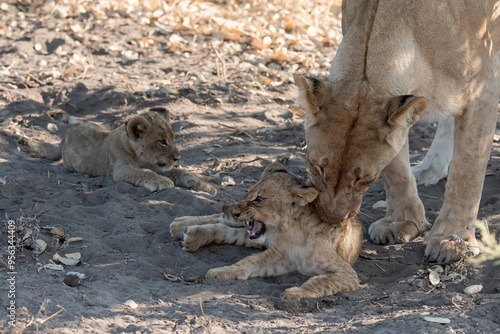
[
  {"x": 340, "y": 277},
  {"x": 142, "y": 177},
  {"x": 180, "y": 224},
  {"x": 405, "y": 216},
  {"x": 183, "y": 178},
  {"x": 268, "y": 263},
  {"x": 201, "y": 235}
]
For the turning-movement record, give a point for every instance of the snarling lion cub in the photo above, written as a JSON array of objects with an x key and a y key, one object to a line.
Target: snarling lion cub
[
  {"x": 277, "y": 213},
  {"x": 401, "y": 61},
  {"x": 141, "y": 152}
]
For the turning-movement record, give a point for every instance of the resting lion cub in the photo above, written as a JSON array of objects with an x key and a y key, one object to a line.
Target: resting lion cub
[
  {"x": 141, "y": 152},
  {"x": 281, "y": 217}
]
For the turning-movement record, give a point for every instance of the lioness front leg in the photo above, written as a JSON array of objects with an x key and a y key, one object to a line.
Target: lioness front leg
[
  {"x": 405, "y": 216},
  {"x": 183, "y": 178},
  {"x": 465, "y": 181},
  {"x": 340, "y": 277},
  {"x": 434, "y": 166},
  {"x": 142, "y": 177},
  {"x": 268, "y": 263}
]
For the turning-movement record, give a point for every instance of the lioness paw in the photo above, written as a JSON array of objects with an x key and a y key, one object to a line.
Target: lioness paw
[
  {"x": 227, "y": 273},
  {"x": 158, "y": 184},
  {"x": 390, "y": 233},
  {"x": 449, "y": 249},
  {"x": 194, "y": 238}
]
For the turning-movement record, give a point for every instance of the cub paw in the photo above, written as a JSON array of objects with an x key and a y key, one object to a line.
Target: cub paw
[
  {"x": 227, "y": 273},
  {"x": 388, "y": 233},
  {"x": 158, "y": 184},
  {"x": 194, "y": 238},
  {"x": 177, "y": 227},
  {"x": 449, "y": 249},
  {"x": 297, "y": 293},
  {"x": 200, "y": 185},
  {"x": 203, "y": 186}
]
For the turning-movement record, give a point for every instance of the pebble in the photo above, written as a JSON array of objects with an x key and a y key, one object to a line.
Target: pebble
[
  {"x": 10, "y": 86},
  {"x": 473, "y": 289},
  {"x": 228, "y": 181},
  {"x": 52, "y": 127},
  {"x": 130, "y": 303},
  {"x": 437, "y": 320},
  {"x": 72, "y": 120}
]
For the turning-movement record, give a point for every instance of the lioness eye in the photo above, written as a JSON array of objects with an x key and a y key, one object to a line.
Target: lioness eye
[
  {"x": 163, "y": 142},
  {"x": 258, "y": 199}
]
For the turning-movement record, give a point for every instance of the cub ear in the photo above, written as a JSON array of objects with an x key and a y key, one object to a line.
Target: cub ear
[
  {"x": 275, "y": 167},
  {"x": 404, "y": 110},
  {"x": 162, "y": 111},
  {"x": 136, "y": 127},
  {"x": 311, "y": 92},
  {"x": 304, "y": 195}
]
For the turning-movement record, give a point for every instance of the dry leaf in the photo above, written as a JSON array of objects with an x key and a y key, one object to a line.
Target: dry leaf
[{"x": 298, "y": 111}]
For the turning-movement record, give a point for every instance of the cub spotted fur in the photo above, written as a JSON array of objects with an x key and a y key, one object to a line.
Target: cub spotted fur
[
  {"x": 141, "y": 151},
  {"x": 281, "y": 217}
]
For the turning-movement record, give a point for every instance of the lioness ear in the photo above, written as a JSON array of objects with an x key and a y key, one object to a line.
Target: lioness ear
[
  {"x": 136, "y": 127},
  {"x": 304, "y": 195},
  {"x": 404, "y": 110},
  {"x": 162, "y": 111},
  {"x": 275, "y": 167},
  {"x": 311, "y": 92}
]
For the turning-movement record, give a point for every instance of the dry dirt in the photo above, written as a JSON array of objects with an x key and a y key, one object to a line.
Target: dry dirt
[{"x": 230, "y": 106}]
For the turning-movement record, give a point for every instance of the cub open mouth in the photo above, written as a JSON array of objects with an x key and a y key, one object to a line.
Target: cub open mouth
[{"x": 258, "y": 229}]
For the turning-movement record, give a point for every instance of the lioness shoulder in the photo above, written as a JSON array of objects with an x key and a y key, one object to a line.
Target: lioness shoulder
[{"x": 142, "y": 151}]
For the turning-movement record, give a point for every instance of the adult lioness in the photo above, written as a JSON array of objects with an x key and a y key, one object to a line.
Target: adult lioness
[
  {"x": 141, "y": 152},
  {"x": 280, "y": 214},
  {"x": 401, "y": 61}
]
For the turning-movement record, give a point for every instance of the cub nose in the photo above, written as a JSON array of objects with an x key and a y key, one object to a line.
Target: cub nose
[{"x": 236, "y": 214}]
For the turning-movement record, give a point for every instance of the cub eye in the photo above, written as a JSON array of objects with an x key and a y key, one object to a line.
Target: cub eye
[
  {"x": 258, "y": 199},
  {"x": 163, "y": 142}
]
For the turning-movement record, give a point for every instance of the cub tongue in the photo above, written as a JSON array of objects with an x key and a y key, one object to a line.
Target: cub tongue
[
  {"x": 256, "y": 230},
  {"x": 256, "y": 227}
]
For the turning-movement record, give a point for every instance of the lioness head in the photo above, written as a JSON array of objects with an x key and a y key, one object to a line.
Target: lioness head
[
  {"x": 152, "y": 139},
  {"x": 276, "y": 199},
  {"x": 352, "y": 133}
]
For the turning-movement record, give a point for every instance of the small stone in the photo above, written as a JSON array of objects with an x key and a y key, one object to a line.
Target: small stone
[
  {"x": 434, "y": 277},
  {"x": 11, "y": 86},
  {"x": 473, "y": 289},
  {"x": 72, "y": 120},
  {"x": 130, "y": 303},
  {"x": 52, "y": 127},
  {"x": 437, "y": 320},
  {"x": 228, "y": 181}
]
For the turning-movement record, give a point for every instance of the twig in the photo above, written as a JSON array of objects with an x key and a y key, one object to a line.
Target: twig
[
  {"x": 208, "y": 322},
  {"x": 53, "y": 315},
  {"x": 380, "y": 267},
  {"x": 222, "y": 62}
]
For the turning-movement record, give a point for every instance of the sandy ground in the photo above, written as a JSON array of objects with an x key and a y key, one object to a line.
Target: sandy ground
[{"x": 232, "y": 126}]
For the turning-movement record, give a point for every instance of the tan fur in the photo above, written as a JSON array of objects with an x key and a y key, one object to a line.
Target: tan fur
[
  {"x": 141, "y": 152},
  {"x": 400, "y": 61},
  {"x": 295, "y": 238}
]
